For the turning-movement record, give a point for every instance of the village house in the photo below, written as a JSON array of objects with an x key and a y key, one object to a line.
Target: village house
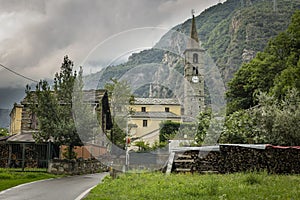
[
  {"x": 148, "y": 114},
  {"x": 23, "y": 124}
]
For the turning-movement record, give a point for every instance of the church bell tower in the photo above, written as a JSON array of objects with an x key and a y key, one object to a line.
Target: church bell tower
[{"x": 193, "y": 74}]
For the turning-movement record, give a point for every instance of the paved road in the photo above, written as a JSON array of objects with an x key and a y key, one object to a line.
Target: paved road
[{"x": 67, "y": 188}]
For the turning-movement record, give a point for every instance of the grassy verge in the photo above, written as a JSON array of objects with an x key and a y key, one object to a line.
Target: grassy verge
[
  {"x": 179, "y": 186},
  {"x": 12, "y": 177}
]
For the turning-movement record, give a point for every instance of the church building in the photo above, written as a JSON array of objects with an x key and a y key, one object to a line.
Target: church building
[{"x": 150, "y": 112}]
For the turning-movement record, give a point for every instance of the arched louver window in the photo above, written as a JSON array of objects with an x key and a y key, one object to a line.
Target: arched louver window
[{"x": 195, "y": 58}]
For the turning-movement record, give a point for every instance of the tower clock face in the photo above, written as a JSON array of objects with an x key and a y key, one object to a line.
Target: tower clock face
[{"x": 195, "y": 79}]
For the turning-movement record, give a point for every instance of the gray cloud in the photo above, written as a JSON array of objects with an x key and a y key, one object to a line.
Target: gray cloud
[{"x": 39, "y": 33}]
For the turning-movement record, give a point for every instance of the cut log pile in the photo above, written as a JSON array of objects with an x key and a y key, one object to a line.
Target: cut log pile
[
  {"x": 283, "y": 161},
  {"x": 230, "y": 159},
  {"x": 208, "y": 162},
  {"x": 241, "y": 159},
  {"x": 4, "y": 151}
]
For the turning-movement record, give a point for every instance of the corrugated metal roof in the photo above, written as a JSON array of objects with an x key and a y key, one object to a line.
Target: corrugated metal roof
[
  {"x": 202, "y": 148},
  {"x": 253, "y": 146},
  {"x": 156, "y": 101}
]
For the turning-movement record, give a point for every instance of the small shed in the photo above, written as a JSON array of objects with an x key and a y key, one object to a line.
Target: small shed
[{"x": 23, "y": 151}]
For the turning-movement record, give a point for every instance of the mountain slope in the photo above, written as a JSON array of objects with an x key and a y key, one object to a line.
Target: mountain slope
[{"x": 232, "y": 33}]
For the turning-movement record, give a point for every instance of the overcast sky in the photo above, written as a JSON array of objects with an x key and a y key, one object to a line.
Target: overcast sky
[{"x": 36, "y": 34}]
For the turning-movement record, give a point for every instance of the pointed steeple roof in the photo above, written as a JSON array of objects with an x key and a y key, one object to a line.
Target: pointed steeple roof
[
  {"x": 194, "y": 34},
  {"x": 193, "y": 42}
]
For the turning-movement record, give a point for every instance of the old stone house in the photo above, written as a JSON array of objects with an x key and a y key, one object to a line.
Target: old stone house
[{"x": 23, "y": 124}]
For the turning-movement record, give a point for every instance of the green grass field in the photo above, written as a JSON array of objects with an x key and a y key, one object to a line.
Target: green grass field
[
  {"x": 186, "y": 186},
  {"x": 13, "y": 177}
]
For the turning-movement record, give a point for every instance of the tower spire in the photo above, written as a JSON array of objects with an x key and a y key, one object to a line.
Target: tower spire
[
  {"x": 194, "y": 41},
  {"x": 194, "y": 34}
]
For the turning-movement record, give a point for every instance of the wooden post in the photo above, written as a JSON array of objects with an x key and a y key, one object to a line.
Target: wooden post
[
  {"x": 48, "y": 153},
  {"x": 23, "y": 156},
  {"x": 9, "y": 154}
]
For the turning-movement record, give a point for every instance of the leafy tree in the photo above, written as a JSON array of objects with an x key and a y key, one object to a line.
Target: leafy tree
[
  {"x": 204, "y": 120},
  {"x": 53, "y": 109},
  {"x": 241, "y": 128},
  {"x": 142, "y": 146},
  {"x": 271, "y": 121},
  {"x": 85, "y": 112},
  {"x": 3, "y": 132},
  {"x": 120, "y": 96},
  {"x": 168, "y": 130},
  {"x": 278, "y": 120},
  {"x": 193, "y": 131}
]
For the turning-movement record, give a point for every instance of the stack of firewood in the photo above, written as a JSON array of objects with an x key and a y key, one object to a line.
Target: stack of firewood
[{"x": 4, "y": 155}]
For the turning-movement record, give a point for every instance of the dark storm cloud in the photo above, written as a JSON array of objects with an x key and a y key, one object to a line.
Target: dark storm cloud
[{"x": 36, "y": 34}]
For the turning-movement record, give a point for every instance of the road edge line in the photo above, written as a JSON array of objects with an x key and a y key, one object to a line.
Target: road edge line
[
  {"x": 24, "y": 184},
  {"x": 82, "y": 195}
]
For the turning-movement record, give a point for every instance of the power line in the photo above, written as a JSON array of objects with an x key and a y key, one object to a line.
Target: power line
[{"x": 18, "y": 74}]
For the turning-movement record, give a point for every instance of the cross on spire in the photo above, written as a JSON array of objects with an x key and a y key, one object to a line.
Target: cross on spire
[{"x": 193, "y": 11}]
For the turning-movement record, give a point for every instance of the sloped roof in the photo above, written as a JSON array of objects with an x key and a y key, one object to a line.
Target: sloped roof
[
  {"x": 156, "y": 101},
  {"x": 93, "y": 95},
  {"x": 88, "y": 95},
  {"x": 168, "y": 115},
  {"x": 25, "y": 136},
  {"x": 4, "y": 138}
]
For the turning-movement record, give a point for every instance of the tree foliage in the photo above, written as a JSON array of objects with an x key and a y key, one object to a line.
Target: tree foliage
[
  {"x": 3, "y": 132},
  {"x": 272, "y": 121},
  {"x": 275, "y": 70},
  {"x": 196, "y": 131},
  {"x": 120, "y": 97},
  {"x": 168, "y": 130},
  {"x": 53, "y": 108}
]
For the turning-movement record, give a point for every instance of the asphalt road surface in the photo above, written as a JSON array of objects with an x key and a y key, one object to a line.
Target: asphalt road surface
[{"x": 67, "y": 188}]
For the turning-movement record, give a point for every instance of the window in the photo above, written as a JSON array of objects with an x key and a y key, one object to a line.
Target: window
[
  {"x": 195, "y": 58},
  {"x": 195, "y": 71},
  {"x": 167, "y": 109},
  {"x": 143, "y": 109},
  {"x": 145, "y": 123}
]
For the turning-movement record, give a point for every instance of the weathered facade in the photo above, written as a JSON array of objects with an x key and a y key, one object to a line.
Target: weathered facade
[{"x": 15, "y": 119}]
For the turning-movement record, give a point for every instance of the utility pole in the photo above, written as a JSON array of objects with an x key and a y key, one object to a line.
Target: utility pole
[{"x": 127, "y": 142}]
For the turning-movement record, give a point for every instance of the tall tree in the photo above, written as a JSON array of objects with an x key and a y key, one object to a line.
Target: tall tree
[
  {"x": 120, "y": 97},
  {"x": 53, "y": 109}
]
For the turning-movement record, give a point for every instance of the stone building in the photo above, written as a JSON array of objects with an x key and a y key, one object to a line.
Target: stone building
[
  {"x": 194, "y": 74},
  {"x": 149, "y": 113},
  {"x": 23, "y": 124}
]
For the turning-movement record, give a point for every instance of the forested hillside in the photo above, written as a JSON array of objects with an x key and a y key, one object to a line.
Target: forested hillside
[
  {"x": 276, "y": 70},
  {"x": 264, "y": 95},
  {"x": 232, "y": 33}
]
